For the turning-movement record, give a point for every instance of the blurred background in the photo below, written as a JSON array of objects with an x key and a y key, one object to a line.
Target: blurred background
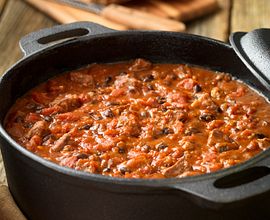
[{"x": 212, "y": 18}]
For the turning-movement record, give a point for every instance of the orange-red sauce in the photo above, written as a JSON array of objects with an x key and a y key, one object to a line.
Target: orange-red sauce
[{"x": 142, "y": 120}]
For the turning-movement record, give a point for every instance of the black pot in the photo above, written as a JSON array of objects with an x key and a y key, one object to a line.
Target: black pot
[{"x": 44, "y": 190}]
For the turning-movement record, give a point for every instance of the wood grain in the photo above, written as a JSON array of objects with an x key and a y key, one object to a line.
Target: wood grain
[
  {"x": 17, "y": 20},
  {"x": 250, "y": 14},
  {"x": 136, "y": 19},
  {"x": 2, "y": 172},
  {"x": 214, "y": 25},
  {"x": 8, "y": 207}
]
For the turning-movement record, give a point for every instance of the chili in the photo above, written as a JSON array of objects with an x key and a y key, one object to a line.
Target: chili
[{"x": 141, "y": 120}]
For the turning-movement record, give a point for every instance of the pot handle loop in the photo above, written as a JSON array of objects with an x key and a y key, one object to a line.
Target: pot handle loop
[
  {"x": 47, "y": 37},
  {"x": 241, "y": 184}
]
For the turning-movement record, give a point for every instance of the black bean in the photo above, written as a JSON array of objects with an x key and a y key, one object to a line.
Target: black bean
[
  {"x": 206, "y": 117},
  {"x": 146, "y": 148},
  {"x": 121, "y": 150},
  {"x": 182, "y": 116},
  {"x": 161, "y": 146},
  {"x": 123, "y": 169},
  {"x": 112, "y": 103},
  {"x": 123, "y": 73},
  {"x": 164, "y": 109},
  {"x": 132, "y": 89},
  {"x": 47, "y": 137},
  {"x": 48, "y": 119},
  {"x": 31, "y": 105},
  {"x": 98, "y": 85},
  {"x": 108, "y": 80},
  {"x": 150, "y": 87},
  {"x": 107, "y": 169},
  {"x": 85, "y": 127},
  {"x": 166, "y": 131},
  {"x": 108, "y": 113},
  {"x": 19, "y": 119},
  {"x": 182, "y": 119},
  {"x": 223, "y": 149},
  {"x": 94, "y": 116},
  {"x": 82, "y": 156},
  {"x": 191, "y": 131},
  {"x": 260, "y": 136},
  {"x": 197, "y": 88},
  {"x": 144, "y": 114},
  {"x": 174, "y": 76},
  {"x": 219, "y": 110},
  {"x": 161, "y": 100},
  {"x": 39, "y": 107},
  {"x": 149, "y": 78},
  {"x": 28, "y": 125}
]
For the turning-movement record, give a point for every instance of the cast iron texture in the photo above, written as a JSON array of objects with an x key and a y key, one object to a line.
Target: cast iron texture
[
  {"x": 44, "y": 190},
  {"x": 253, "y": 48}
]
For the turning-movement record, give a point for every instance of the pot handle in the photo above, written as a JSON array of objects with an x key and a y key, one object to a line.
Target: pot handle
[
  {"x": 240, "y": 184},
  {"x": 47, "y": 37}
]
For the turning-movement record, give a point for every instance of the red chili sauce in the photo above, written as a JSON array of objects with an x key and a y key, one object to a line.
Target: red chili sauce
[{"x": 142, "y": 120}]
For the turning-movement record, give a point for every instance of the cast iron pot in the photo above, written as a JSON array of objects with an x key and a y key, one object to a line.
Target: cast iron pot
[{"x": 44, "y": 190}]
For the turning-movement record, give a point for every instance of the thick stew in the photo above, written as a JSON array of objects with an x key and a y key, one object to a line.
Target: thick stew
[{"x": 142, "y": 120}]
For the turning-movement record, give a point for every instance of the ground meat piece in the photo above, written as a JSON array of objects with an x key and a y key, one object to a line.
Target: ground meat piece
[
  {"x": 217, "y": 93},
  {"x": 129, "y": 124},
  {"x": 82, "y": 78},
  {"x": 263, "y": 144},
  {"x": 191, "y": 130},
  {"x": 140, "y": 64},
  {"x": 61, "y": 142},
  {"x": 69, "y": 161},
  {"x": 207, "y": 116},
  {"x": 179, "y": 100},
  {"x": 53, "y": 86},
  {"x": 221, "y": 141},
  {"x": 40, "y": 128},
  {"x": 183, "y": 71},
  {"x": 204, "y": 101},
  {"x": 17, "y": 130},
  {"x": 187, "y": 144},
  {"x": 126, "y": 81},
  {"x": 187, "y": 84},
  {"x": 67, "y": 103},
  {"x": 177, "y": 169}
]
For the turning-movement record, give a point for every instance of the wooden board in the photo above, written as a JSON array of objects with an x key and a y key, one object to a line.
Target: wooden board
[
  {"x": 250, "y": 14},
  {"x": 214, "y": 25},
  {"x": 15, "y": 24}
]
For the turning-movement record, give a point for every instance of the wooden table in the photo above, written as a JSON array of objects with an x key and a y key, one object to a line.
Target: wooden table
[{"x": 18, "y": 18}]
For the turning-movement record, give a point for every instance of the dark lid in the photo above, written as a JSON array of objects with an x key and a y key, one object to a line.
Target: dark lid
[{"x": 253, "y": 48}]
